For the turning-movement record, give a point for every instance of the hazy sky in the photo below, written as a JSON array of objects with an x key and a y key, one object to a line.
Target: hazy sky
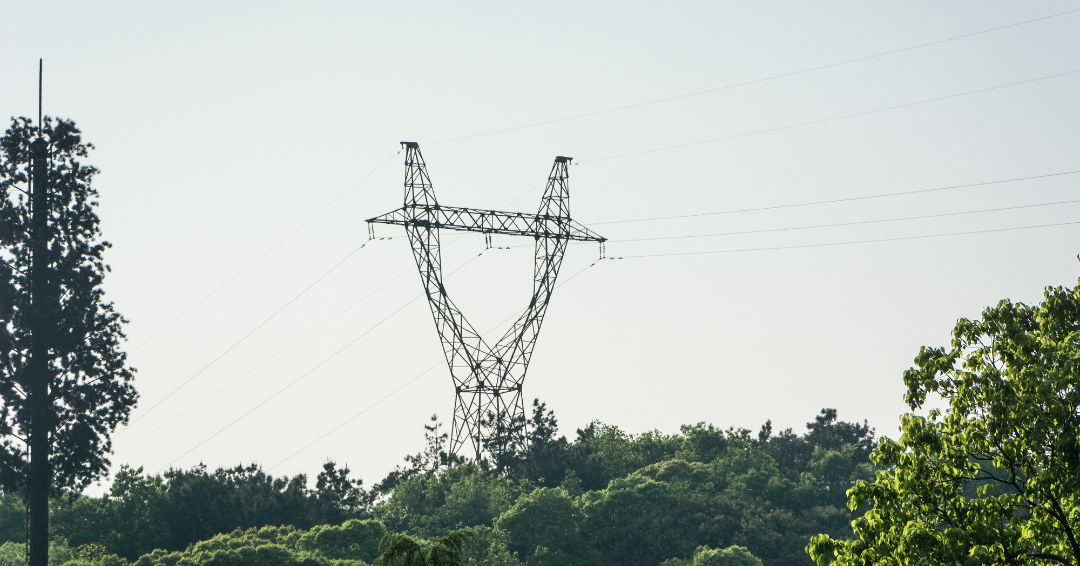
[{"x": 222, "y": 127}]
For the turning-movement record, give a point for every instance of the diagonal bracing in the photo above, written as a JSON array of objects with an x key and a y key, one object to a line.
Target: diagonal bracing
[{"x": 488, "y": 409}]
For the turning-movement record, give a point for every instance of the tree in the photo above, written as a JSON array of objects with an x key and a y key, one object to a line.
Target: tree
[
  {"x": 704, "y": 556},
  {"x": 64, "y": 381},
  {"x": 991, "y": 473},
  {"x": 461, "y": 496},
  {"x": 505, "y": 447},
  {"x": 545, "y": 458},
  {"x": 408, "y": 551},
  {"x": 267, "y": 546},
  {"x": 430, "y": 460},
  {"x": 201, "y": 504},
  {"x": 829, "y": 432},
  {"x": 355, "y": 538},
  {"x": 529, "y": 449},
  {"x": 544, "y": 519},
  {"x": 339, "y": 496},
  {"x": 129, "y": 520},
  {"x": 638, "y": 521}
]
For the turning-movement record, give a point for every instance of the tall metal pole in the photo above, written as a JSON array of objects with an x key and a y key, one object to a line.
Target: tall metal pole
[{"x": 38, "y": 367}]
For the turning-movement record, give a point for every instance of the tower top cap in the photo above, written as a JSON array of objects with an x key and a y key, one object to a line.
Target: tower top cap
[
  {"x": 562, "y": 159},
  {"x": 410, "y": 145}
]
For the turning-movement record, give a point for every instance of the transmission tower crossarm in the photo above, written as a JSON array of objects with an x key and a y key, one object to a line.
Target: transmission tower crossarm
[{"x": 488, "y": 222}]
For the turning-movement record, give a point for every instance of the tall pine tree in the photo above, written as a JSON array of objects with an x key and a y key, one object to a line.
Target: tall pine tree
[{"x": 65, "y": 382}]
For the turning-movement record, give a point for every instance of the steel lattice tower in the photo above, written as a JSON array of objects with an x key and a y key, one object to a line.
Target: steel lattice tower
[{"x": 487, "y": 378}]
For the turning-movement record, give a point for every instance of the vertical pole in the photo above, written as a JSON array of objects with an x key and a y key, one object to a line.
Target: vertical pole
[
  {"x": 38, "y": 366},
  {"x": 40, "y": 90}
]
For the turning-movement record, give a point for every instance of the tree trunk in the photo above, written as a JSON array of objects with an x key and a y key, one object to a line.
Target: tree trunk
[{"x": 38, "y": 366}]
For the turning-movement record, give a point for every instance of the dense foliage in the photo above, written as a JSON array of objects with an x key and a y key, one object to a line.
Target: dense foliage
[
  {"x": 994, "y": 476},
  {"x": 700, "y": 497},
  {"x": 80, "y": 333}
]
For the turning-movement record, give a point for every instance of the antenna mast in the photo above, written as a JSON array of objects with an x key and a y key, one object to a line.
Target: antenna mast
[{"x": 40, "y": 75}]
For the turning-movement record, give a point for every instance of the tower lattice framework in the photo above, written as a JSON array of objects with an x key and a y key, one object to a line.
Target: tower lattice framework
[{"x": 488, "y": 408}]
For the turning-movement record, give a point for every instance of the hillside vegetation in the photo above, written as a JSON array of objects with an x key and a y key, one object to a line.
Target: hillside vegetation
[{"x": 703, "y": 496}]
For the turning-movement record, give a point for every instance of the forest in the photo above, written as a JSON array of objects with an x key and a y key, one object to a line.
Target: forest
[{"x": 602, "y": 497}]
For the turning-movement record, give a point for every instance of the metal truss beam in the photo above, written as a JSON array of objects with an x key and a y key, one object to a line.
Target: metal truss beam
[
  {"x": 488, "y": 408},
  {"x": 487, "y": 221}
]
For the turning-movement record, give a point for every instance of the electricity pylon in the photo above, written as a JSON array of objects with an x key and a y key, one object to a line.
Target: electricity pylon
[{"x": 488, "y": 408}]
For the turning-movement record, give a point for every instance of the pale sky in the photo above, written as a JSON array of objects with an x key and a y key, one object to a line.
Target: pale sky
[{"x": 221, "y": 127}]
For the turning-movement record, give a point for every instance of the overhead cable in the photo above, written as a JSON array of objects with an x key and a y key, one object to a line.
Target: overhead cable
[
  {"x": 851, "y": 242},
  {"x": 277, "y": 353},
  {"x": 399, "y": 388},
  {"x": 851, "y": 223},
  {"x": 759, "y": 80},
  {"x": 828, "y": 119},
  {"x": 249, "y": 333},
  {"x": 843, "y": 199},
  {"x": 261, "y": 255},
  {"x": 311, "y": 370}
]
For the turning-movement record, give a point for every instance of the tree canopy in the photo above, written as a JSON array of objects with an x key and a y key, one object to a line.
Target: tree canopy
[
  {"x": 987, "y": 466},
  {"x": 606, "y": 497},
  {"x": 90, "y": 389}
]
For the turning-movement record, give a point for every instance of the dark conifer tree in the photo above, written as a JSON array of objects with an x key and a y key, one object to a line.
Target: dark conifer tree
[{"x": 65, "y": 382}]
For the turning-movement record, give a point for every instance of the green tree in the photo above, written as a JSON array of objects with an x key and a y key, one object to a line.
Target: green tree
[
  {"x": 253, "y": 547},
  {"x": 339, "y": 496},
  {"x": 545, "y": 519},
  {"x": 65, "y": 383},
  {"x": 201, "y": 503},
  {"x": 639, "y": 521},
  {"x": 733, "y": 555},
  {"x": 14, "y": 553},
  {"x": 355, "y": 538},
  {"x": 488, "y": 546},
  {"x": 433, "y": 505},
  {"x": 12, "y": 519},
  {"x": 132, "y": 516},
  {"x": 429, "y": 461},
  {"x": 990, "y": 473},
  {"x": 545, "y": 460},
  {"x": 405, "y": 550},
  {"x": 604, "y": 452}
]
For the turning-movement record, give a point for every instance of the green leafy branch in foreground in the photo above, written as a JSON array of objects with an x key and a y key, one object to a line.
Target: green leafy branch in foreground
[{"x": 989, "y": 472}]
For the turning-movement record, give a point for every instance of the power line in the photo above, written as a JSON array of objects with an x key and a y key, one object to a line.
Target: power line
[
  {"x": 277, "y": 353},
  {"x": 401, "y": 387},
  {"x": 250, "y": 332},
  {"x": 333, "y": 201},
  {"x": 283, "y": 350},
  {"x": 280, "y": 351},
  {"x": 296, "y": 380},
  {"x": 748, "y": 250},
  {"x": 262, "y": 255},
  {"x": 760, "y": 80},
  {"x": 312, "y": 369},
  {"x": 829, "y": 119},
  {"x": 851, "y": 223},
  {"x": 357, "y": 415},
  {"x": 755, "y": 209},
  {"x": 638, "y": 256},
  {"x": 843, "y": 199},
  {"x": 853, "y": 242}
]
